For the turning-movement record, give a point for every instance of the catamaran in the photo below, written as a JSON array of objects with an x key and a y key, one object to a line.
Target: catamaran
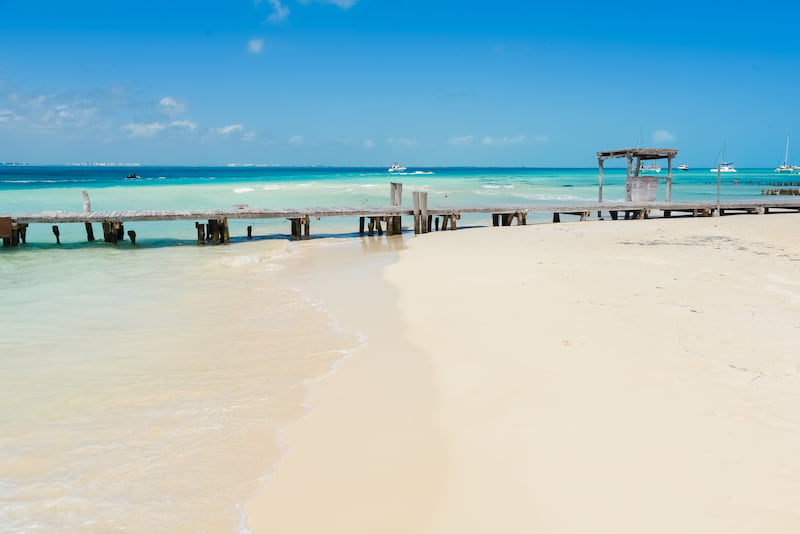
[
  {"x": 786, "y": 167},
  {"x": 724, "y": 167},
  {"x": 649, "y": 168}
]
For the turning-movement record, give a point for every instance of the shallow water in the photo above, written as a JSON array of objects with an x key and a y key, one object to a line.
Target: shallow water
[{"x": 145, "y": 390}]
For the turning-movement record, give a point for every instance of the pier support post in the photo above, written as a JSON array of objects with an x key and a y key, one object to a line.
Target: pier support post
[
  {"x": 226, "y": 233},
  {"x": 201, "y": 233},
  {"x": 301, "y": 227},
  {"x": 132, "y": 236},
  {"x": 89, "y": 232},
  {"x": 57, "y": 233},
  {"x": 250, "y": 232},
  {"x": 425, "y": 219},
  {"x": 417, "y": 213},
  {"x": 361, "y": 221},
  {"x": 394, "y": 224},
  {"x": 113, "y": 231},
  {"x": 7, "y": 231},
  {"x": 212, "y": 231}
]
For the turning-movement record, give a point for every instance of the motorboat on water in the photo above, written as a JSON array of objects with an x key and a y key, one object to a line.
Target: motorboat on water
[
  {"x": 396, "y": 167},
  {"x": 132, "y": 176},
  {"x": 683, "y": 167},
  {"x": 724, "y": 167}
]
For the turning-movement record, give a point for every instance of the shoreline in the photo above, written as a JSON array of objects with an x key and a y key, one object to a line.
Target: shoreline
[{"x": 582, "y": 376}]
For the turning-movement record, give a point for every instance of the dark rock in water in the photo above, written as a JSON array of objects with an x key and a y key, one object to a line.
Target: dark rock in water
[{"x": 567, "y": 185}]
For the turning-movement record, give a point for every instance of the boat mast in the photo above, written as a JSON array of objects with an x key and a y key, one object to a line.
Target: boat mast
[{"x": 786, "y": 156}]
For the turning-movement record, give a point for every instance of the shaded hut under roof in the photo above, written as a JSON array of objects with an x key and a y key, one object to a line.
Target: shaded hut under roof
[{"x": 640, "y": 187}]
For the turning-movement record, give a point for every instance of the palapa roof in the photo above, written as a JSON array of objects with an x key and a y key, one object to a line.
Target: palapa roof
[{"x": 641, "y": 153}]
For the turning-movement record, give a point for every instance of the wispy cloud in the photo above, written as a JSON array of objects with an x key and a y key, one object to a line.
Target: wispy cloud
[
  {"x": 255, "y": 46},
  {"x": 401, "y": 142},
  {"x": 295, "y": 140},
  {"x": 662, "y": 136},
  {"x": 369, "y": 143},
  {"x": 143, "y": 130},
  {"x": 504, "y": 141},
  {"x": 344, "y": 4},
  {"x": 7, "y": 116},
  {"x": 230, "y": 129},
  {"x": 279, "y": 12},
  {"x": 170, "y": 106},
  {"x": 188, "y": 125},
  {"x": 463, "y": 140}
]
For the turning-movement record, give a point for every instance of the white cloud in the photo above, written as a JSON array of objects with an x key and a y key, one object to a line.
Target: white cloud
[
  {"x": 344, "y": 4},
  {"x": 279, "y": 12},
  {"x": 7, "y": 116},
  {"x": 464, "y": 140},
  {"x": 369, "y": 143},
  {"x": 662, "y": 136},
  {"x": 189, "y": 125},
  {"x": 295, "y": 140},
  {"x": 401, "y": 142},
  {"x": 170, "y": 106},
  {"x": 227, "y": 130},
  {"x": 255, "y": 46},
  {"x": 504, "y": 141},
  {"x": 143, "y": 130}
]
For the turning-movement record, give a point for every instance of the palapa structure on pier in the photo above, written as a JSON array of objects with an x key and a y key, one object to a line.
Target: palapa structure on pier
[{"x": 639, "y": 188}]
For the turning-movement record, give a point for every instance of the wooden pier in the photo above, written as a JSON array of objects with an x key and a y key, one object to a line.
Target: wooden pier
[{"x": 212, "y": 225}]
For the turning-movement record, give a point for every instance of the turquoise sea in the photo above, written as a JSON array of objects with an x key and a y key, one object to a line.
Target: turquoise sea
[
  {"x": 144, "y": 389},
  {"x": 35, "y": 189}
]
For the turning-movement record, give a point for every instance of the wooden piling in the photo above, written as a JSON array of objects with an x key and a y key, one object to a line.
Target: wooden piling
[
  {"x": 87, "y": 204},
  {"x": 7, "y": 231},
  {"x": 57, "y": 233},
  {"x": 250, "y": 232},
  {"x": 225, "y": 231},
  {"x": 425, "y": 219},
  {"x": 89, "y": 232},
  {"x": 132, "y": 236},
  {"x": 417, "y": 213},
  {"x": 201, "y": 233}
]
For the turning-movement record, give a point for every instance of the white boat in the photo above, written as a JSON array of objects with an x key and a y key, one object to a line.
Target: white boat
[
  {"x": 786, "y": 167},
  {"x": 683, "y": 167},
  {"x": 396, "y": 168},
  {"x": 724, "y": 167},
  {"x": 649, "y": 168}
]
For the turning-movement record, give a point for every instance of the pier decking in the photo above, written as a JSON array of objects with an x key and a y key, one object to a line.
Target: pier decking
[{"x": 214, "y": 229}]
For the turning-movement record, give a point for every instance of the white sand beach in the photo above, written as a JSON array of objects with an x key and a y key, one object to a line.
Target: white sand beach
[{"x": 606, "y": 377}]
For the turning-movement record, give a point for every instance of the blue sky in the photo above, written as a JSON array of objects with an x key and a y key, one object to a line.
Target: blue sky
[{"x": 370, "y": 82}]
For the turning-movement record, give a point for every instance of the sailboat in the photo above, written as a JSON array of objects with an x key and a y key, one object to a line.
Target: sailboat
[
  {"x": 724, "y": 166},
  {"x": 786, "y": 167}
]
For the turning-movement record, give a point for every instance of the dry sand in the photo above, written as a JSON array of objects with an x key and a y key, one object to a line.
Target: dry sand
[{"x": 604, "y": 377}]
